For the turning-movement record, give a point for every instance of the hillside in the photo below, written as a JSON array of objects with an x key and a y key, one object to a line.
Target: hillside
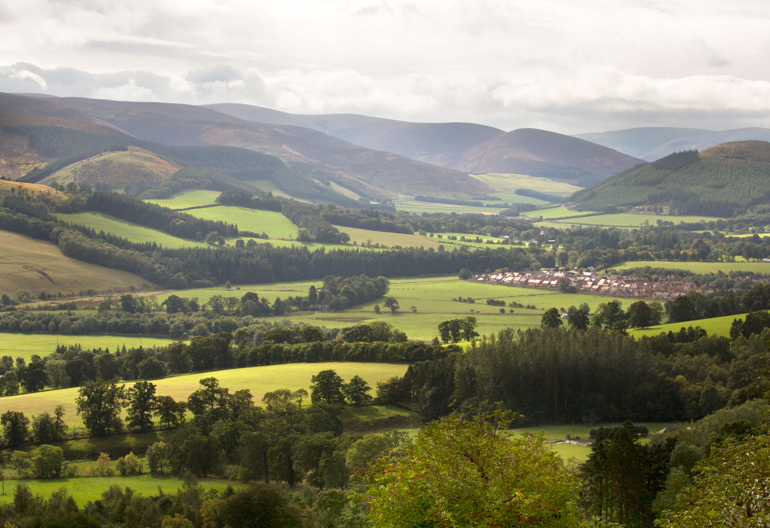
[
  {"x": 116, "y": 170},
  {"x": 33, "y": 265},
  {"x": 366, "y": 171},
  {"x": 18, "y": 156},
  {"x": 436, "y": 143},
  {"x": 651, "y": 143},
  {"x": 545, "y": 154},
  {"x": 724, "y": 180}
]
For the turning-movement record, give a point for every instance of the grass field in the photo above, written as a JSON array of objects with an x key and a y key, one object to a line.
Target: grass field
[
  {"x": 621, "y": 220},
  {"x": 554, "y": 212},
  {"x": 188, "y": 199},
  {"x": 258, "y": 380},
  {"x": 508, "y": 183},
  {"x": 91, "y": 488},
  {"x": 390, "y": 240},
  {"x": 129, "y": 230},
  {"x": 697, "y": 267},
  {"x": 432, "y": 296},
  {"x": 25, "y": 345},
  {"x": 413, "y": 206},
  {"x": 30, "y": 264},
  {"x": 274, "y": 224},
  {"x": 716, "y": 325}
]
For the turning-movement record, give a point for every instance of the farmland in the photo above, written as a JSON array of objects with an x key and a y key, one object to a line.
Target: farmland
[
  {"x": 30, "y": 264},
  {"x": 432, "y": 298},
  {"x": 554, "y": 213},
  {"x": 91, "y": 488},
  {"x": 697, "y": 267},
  {"x": 619, "y": 220},
  {"x": 128, "y": 230},
  {"x": 258, "y": 380},
  {"x": 364, "y": 236},
  {"x": 188, "y": 199},
  {"x": 716, "y": 325},
  {"x": 274, "y": 224},
  {"x": 27, "y": 345}
]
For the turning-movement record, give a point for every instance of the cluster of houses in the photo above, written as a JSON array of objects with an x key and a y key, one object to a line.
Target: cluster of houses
[{"x": 588, "y": 281}]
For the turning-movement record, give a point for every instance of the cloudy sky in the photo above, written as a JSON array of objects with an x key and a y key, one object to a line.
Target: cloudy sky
[{"x": 565, "y": 65}]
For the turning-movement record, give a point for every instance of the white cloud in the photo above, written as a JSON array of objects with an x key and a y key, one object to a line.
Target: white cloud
[{"x": 564, "y": 65}]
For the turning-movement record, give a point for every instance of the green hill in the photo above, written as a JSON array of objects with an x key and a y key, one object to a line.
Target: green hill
[{"x": 725, "y": 180}]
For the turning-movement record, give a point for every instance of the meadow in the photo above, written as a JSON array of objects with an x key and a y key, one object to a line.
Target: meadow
[
  {"x": 128, "y": 230},
  {"x": 509, "y": 183},
  {"x": 716, "y": 325},
  {"x": 699, "y": 268},
  {"x": 274, "y": 224},
  {"x": 555, "y": 213},
  {"x": 364, "y": 236},
  {"x": 413, "y": 206},
  {"x": 27, "y": 345},
  {"x": 187, "y": 199},
  {"x": 34, "y": 265},
  {"x": 620, "y": 220},
  {"x": 91, "y": 488},
  {"x": 258, "y": 380}
]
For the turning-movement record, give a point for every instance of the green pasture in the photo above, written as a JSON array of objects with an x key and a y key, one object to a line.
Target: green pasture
[
  {"x": 257, "y": 221},
  {"x": 258, "y": 380},
  {"x": 715, "y": 325},
  {"x": 91, "y": 488},
  {"x": 364, "y": 236},
  {"x": 699, "y": 268},
  {"x": 413, "y": 206},
  {"x": 188, "y": 199},
  {"x": 442, "y": 238},
  {"x": 582, "y": 430},
  {"x": 128, "y": 230},
  {"x": 268, "y": 186},
  {"x": 25, "y": 345},
  {"x": 508, "y": 183},
  {"x": 432, "y": 298},
  {"x": 621, "y": 220},
  {"x": 554, "y": 213},
  {"x": 372, "y": 412}
]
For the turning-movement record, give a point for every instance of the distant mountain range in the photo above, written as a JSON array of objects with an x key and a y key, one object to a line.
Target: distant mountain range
[
  {"x": 372, "y": 157},
  {"x": 652, "y": 143}
]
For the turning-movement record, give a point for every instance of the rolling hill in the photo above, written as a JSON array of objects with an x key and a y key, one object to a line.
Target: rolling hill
[
  {"x": 436, "y": 143},
  {"x": 545, "y": 154},
  {"x": 652, "y": 143},
  {"x": 117, "y": 170},
  {"x": 368, "y": 172},
  {"x": 724, "y": 180},
  {"x": 33, "y": 265}
]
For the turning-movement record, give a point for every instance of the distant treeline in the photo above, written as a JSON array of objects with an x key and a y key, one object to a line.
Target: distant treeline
[{"x": 538, "y": 195}]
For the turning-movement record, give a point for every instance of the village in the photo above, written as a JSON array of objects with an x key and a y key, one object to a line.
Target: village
[{"x": 590, "y": 281}]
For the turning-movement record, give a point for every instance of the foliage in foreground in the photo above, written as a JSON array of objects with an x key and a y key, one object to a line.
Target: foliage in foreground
[{"x": 470, "y": 473}]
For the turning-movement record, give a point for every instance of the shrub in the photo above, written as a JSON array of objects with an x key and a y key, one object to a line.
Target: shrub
[
  {"x": 48, "y": 461},
  {"x": 129, "y": 465},
  {"x": 103, "y": 466}
]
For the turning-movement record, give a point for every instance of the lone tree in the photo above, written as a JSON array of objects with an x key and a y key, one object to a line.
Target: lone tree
[
  {"x": 357, "y": 391},
  {"x": 142, "y": 403},
  {"x": 551, "y": 319},
  {"x": 579, "y": 319},
  {"x": 15, "y": 428},
  {"x": 391, "y": 304},
  {"x": 99, "y": 403},
  {"x": 327, "y": 388}
]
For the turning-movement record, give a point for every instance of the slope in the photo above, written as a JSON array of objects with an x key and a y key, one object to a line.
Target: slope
[
  {"x": 116, "y": 170},
  {"x": 437, "y": 143},
  {"x": 545, "y": 154},
  {"x": 380, "y": 173},
  {"x": 18, "y": 156},
  {"x": 30, "y": 264},
  {"x": 651, "y": 143},
  {"x": 724, "y": 180}
]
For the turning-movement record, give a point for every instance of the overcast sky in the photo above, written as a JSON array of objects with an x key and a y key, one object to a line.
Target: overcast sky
[{"x": 565, "y": 65}]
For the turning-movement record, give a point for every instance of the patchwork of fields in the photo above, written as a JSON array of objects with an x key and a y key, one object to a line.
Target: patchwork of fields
[{"x": 697, "y": 267}]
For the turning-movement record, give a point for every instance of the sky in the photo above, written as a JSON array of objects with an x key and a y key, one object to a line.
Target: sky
[{"x": 569, "y": 66}]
